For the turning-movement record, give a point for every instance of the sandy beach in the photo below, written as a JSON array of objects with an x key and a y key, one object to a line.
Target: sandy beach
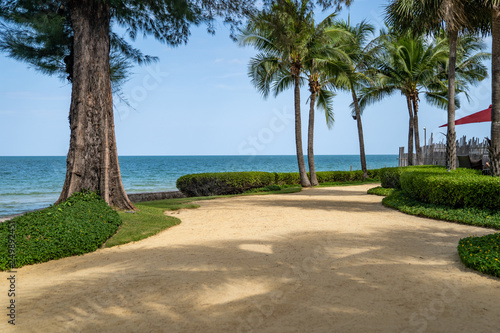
[{"x": 322, "y": 260}]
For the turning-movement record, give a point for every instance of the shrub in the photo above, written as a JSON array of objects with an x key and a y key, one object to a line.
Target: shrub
[
  {"x": 207, "y": 184},
  {"x": 77, "y": 226},
  {"x": 287, "y": 178},
  {"x": 389, "y": 177},
  {"x": 458, "y": 188},
  {"x": 471, "y": 216},
  {"x": 339, "y": 176},
  {"x": 381, "y": 191},
  {"x": 481, "y": 253}
]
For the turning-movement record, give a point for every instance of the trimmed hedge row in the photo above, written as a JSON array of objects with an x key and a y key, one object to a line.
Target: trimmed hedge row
[
  {"x": 458, "y": 188},
  {"x": 436, "y": 185},
  {"x": 77, "y": 226},
  {"x": 207, "y": 184}
]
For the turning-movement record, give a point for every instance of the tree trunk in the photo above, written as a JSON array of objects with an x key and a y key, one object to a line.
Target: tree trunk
[
  {"x": 451, "y": 137},
  {"x": 360, "y": 135},
  {"x": 92, "y": 161},
  {"x": 410, "y": 131},
  {"x": 495, "y": 111},
  {"x": 418, "y": 149},
  {"x": 304, "y": 180},
  {"x": 310, "y": 141}
]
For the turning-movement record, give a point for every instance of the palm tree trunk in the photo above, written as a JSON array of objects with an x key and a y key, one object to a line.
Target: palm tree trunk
[
  {"x": 310, "y": 141},
  {"x": 92, "y": 161},
  {"x": 495, "y": 111},
  {"x": 360, "y": 135},
  {"x": 304, "y": 180},
  {"x": 410, "y": 131},
  {"x": 418, "y": 149},
  {"x": 451, "y": 137}
]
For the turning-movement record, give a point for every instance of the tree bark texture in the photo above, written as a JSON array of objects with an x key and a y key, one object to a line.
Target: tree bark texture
[
  {"x": 451, "y": 137},
  {"x": 410, "y": 131},
  {"x": 304, "y": 180},
  {"x": 495, "y": 111},
  {"x": 92, "y": 161},
  {"x": 360, "y": 135},
  {"x": 418, "y": 149},
  {"x": 310, "y": 141}
]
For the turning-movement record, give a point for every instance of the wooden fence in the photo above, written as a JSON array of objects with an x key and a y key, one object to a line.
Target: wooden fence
[{"x": 435, "y": 153}]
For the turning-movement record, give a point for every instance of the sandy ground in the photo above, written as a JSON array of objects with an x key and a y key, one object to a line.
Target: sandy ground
[{"x": 323, "y": 260}]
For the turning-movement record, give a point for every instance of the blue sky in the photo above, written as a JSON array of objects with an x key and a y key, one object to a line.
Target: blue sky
[{"x": 198, "y": 100}]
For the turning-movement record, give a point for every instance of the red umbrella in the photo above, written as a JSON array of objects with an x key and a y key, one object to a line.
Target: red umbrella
[{"x": 478, "y": 117}]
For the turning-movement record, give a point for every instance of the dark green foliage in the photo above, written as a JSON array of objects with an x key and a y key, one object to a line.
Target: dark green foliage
[
  {"x": 472, "y": 216},
  {"x": 339, "y": 176},
  {"x": 381, "y": 191},
  {"x": 207, "y": 184},
  {"x": 456, "y": 188},
  {"x": 481, "y": 253},
  {"x": 77, "y": 226},
  {"x": 287, "y": 178},
  {"x": 389, "y": 177}
]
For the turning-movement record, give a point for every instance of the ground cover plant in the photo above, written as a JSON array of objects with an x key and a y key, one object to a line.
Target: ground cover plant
[
  {"x": 379, "y": 190},
  {"x": 481, "y": 253},
  {"x": 79, "y": 225}
]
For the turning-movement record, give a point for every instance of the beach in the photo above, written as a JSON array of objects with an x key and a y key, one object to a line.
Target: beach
[{"x": 321, "y": 260}]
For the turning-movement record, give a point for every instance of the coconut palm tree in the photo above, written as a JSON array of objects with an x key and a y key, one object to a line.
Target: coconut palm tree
[
  {"x": 360, "y": 54},
  {"x": 324, "y": 59},
  {"x": 407, "y": 64},
  {"x": 281, "y": 34},
  {"x": 457, "y": 16}
]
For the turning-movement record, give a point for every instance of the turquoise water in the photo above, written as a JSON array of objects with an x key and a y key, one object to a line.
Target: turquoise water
[{"x": 28, "y": 183}]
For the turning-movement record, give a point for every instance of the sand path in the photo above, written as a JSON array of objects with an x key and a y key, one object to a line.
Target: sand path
[{"x": 322, "y": 260}]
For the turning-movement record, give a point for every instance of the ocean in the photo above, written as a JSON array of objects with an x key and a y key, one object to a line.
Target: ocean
[{"x": 29, "y": 183}]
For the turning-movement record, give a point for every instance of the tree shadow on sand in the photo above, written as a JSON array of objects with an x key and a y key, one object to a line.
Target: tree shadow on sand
[{"x": 316, "y": 281}]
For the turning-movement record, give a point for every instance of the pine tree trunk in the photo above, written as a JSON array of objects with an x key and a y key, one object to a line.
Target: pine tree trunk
[
  {"x": 360, "y": 135},
  {"x": 410, "y": 131},
  {"x": 310, "y": 141},
  {"x": 451, "y": 137},
  {"x": 92, "y": 161},
  {"x": 495, "y": 111},
  {"x": 418, "y": 149},
  {"x": 304, "y": 180}
]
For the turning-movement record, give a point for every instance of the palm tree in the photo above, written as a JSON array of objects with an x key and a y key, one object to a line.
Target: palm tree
[
  {"x": 360, "y": 55},
  {"x": 407, "y": 64},
  {"x": 322, "y": 62},
  {"x": 281, "y": 34},
  {"x": 431, "y": 16}
]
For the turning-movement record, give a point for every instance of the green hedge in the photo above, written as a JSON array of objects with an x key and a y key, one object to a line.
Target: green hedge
[
  {"x": 457, "y": 188},
  {"x": 481, "y": 253},
  {"x": 207, "y": 184},
  {"x": 77, "y": 226},
  {"x": 389, "y": 177}
]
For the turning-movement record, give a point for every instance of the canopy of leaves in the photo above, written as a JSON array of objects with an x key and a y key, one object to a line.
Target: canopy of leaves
[{"x": 40, "y": 32}]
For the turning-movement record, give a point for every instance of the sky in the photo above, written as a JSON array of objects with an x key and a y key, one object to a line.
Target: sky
[{"x": 198, "y": 100}]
